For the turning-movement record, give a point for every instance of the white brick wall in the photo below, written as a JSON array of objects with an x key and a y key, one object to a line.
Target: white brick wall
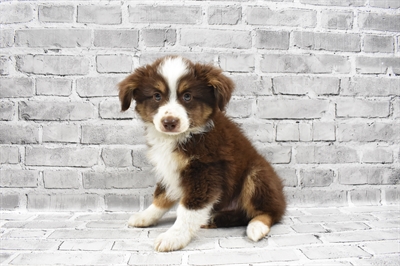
[{"x": 318, "y": 91}]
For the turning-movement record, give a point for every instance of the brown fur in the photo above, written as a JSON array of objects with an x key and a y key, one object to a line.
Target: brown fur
[{"x": 219, "y": 167}]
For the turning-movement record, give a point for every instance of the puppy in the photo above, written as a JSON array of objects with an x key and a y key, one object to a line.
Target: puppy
[{"x": 202, "y": 159}]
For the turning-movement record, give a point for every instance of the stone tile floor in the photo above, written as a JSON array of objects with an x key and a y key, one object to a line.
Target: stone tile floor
[{"x": 307, "y": 236}]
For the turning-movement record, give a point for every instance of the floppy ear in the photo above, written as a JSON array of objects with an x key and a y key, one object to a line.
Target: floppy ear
[
  {"x": 127, "y": 88},
  {"x": 223, "y": 86}
]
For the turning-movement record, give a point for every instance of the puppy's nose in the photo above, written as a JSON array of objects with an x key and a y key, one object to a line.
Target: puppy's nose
[{"x": 170, "y": 123}]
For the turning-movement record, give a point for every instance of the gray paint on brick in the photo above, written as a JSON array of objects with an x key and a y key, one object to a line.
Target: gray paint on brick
[{"x": 316, "y": 91}]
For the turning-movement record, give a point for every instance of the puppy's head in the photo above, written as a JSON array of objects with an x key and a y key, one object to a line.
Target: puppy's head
[{"x": 176, "y": 95}]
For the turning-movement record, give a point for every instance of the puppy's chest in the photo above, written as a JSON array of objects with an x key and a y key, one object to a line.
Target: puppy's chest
[{"x": 168, "y": 164}]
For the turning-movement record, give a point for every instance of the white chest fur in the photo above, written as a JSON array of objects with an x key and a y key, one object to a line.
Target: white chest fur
[{"x": 167, "y": 162}]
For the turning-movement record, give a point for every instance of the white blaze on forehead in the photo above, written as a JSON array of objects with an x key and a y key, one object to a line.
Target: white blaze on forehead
[{"x": 172, "y": 69}]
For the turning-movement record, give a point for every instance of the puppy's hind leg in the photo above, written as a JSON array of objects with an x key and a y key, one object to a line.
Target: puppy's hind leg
[{"x": 259, "y": 227}]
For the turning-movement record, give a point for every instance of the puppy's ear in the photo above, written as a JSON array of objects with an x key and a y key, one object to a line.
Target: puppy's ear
[
  {"x": 127, "y": 88},
  {"x": 223, "y": 86}
]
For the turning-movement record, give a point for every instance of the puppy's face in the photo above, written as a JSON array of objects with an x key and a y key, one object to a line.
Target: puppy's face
[{"x": 176, "y": 95}]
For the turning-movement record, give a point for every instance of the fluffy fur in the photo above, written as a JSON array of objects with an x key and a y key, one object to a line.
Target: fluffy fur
[{"x": 202, "y": 159}]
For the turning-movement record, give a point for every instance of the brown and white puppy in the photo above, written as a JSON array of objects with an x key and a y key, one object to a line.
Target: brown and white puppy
[{"x": 202, "y": 159}]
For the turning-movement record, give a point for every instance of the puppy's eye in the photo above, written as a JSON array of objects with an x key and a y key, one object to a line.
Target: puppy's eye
[
  {"x": 157, "y": 96},
  {"x": 187, "y": 97}
]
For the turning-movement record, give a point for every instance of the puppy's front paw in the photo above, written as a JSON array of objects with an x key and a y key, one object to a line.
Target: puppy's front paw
[
  {"x": 140, "y": 220},
  {"x": 171, "y": 240}
]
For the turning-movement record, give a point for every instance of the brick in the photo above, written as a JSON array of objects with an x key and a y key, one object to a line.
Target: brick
[
  {"x": 360, "y": 236},
  {"x": 132, "y": 245},
  {"x": 201, "y": 57},
  {"x": 396, "y": 108},
  {"x": 356, "y": 175},
  {"x": 293, "y": 132},
  {"x": 65, "y": 202},
  {"x": 334, "y": 252},
  {"x": 224, "y": 15},
  {"x": 307, "y": 197},
  {"x": 286, "y": 17},
  {"x": 350, "y": 107},
  {"x": 117, "y": 157},
  {"x": 377, "y": 155},
  {"x": 97, "y": 86},
  {"x": 118, "y": 179},
  {"x": 377, "y": 65},
  {"x": 286, "y": 109},
  {"x": 116, "y": 202},
  {"x": 240, "y": 256},
  {"x": 259, "y": 130},
  {"x": 9, "y": 155},
  {"x": 114, "y": 63},
  {"x": 378, "y": 44},
  {"x": 7, "y": 111},
  {"x": 5, "y": 65},
  {"x": 318, "y": 64},
  {"x": 165, "y": 14},
  {"x": 19, "y": 133},
  {"x": 139, "y": 157},
  {"x": 249, "y": 85},
  {"x": 326, "y": 154},
  {"x": 335, "y": 2},
  {"x": 284, "y": 241},
  {"x": 56, "y": 14},
  {"x": 379, "y": 21},
  {"x": 237, "y": 62},
  {"x": 375, "y": 131},
  {"x": 302, "y": 85},
  {"x": 288, "y": 176},
  {"x": 53, "y": 38},
  {"x": 29, "y": 244},
  {"x": 15, "y": 13},
  {"x": 19, "y": 178},
  {"x": 337, "y": 20},
  {"x": 234, "y": 243},
  {"x": 385, "y": 3},
  {"x": 62, "y": 156},
  {"x": 16, "y": 87},
  {"x": 159, "y": 37},
  {"x": 272, "y": 40},
  {"x": 347, "y": 226},
  {"x": 155, "y": 259},
  {"x": 95, "y": 234},
  {"x": 240, "y": 108},
  {"x": 61, "y": 179},
  {"x": 113, "y": 134},
  {"x": 96, "y": 14},
  {"x": 6, "y": 38},
  {"x": 276, "y": 154},
  {"x": 392, "y": 195},
  {"x": 367, "y": 86},
  {"x": 323, "y": 131},
  {"x": 308, "y": 228},
  {"x": 365, "y": 197},
  {"x": 382, "y": 247},
  {"x": 51, "y": 111},
  {"x": 77, "y": 257},
  {"x": 53, "y": 64},
  {"x": 86, "y": 245},
  {"x": 316, "y": 177},
  {"x": 68, "y": 133},
  {"x": 327, "y": 41},
  {"x": 54, "y": 86},
  {"x": 238, "y": 39},
  {"x": 111, "y": 109},
  {"x": 116, "y": 38},
  {"x": 9, "y": 201}
]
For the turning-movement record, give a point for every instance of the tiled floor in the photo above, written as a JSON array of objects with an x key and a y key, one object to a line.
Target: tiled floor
[{"x": 325, "y": 236}]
